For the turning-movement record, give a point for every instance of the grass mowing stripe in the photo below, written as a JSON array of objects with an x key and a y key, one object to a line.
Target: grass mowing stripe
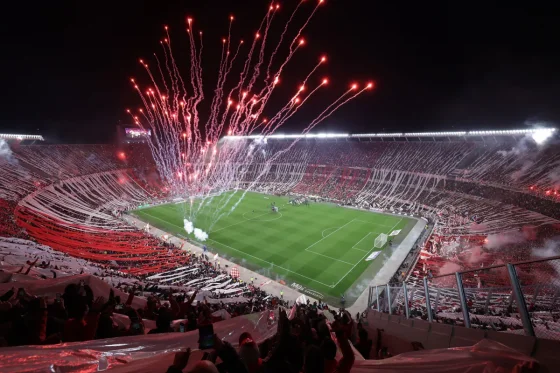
[
  {"x": 330, "y": 257},
  {"x": 227, "y": 226},
  {"x": 262, "y": 260},
  {"x": 313, "y": 246},
  {"x": 330, "y": 234},
  {"x": 351, "y": 269},
  {"x": 164, "y": 221}
]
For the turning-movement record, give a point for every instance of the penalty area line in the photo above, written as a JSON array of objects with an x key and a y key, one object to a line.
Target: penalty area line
[
  {"x": 354, "y": 247},
  {"x": 243, "y": 252},
  {"x": 321, "y": 239},
  {"x": 274, "y": 265},
  {"x": 377, "y": 225},
  {"x": 367, "y": 253}
]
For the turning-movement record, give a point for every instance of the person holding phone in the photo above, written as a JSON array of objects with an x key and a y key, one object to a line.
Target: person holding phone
[
  {"x": 136, "y": 324},
  {"x": 206, "y": 337}
]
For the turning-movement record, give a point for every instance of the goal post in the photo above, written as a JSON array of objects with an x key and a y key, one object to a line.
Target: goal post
[{"x": 380, "y": 241}]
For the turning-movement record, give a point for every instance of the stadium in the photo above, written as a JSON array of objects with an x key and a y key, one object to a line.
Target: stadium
[
  {"x": 254, "y": 215},
  {"x": 373, "y": 209}
]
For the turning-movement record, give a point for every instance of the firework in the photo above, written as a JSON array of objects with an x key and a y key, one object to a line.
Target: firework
[{"x": 186, "y": 145}]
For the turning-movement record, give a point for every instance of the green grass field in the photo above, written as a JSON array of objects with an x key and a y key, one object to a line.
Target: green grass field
[{"x": 322, "y": 248}]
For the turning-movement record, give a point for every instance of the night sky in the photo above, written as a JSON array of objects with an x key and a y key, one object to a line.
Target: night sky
[{"x": 438, "y": 65}]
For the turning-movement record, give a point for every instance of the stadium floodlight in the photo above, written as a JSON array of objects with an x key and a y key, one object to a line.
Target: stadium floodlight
[
  {"x": 389, "y": 134},
  {"x": 540, "y": 136},
  {"x": 400, "y": 134},
  {"x": 539, "y": 132},
  {"x": 282, "y": 136},
  {"x": 325, "y": 135},
  {"x": 432, "y": 134},
  {"x": 9, "y": 136}
]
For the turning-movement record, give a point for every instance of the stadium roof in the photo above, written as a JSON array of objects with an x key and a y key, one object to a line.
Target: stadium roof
[
  {"x": 544, "y": 132},
  {"x": 12, "y": 136}
]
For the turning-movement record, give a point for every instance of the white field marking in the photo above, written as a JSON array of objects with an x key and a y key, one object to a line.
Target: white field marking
[
  {"x": 262, "y": 260},
  {"x": 183, "y": 228},
  {"x": 327, "y": 256},
  {"x": 265, "y": 261},
  {"x": 354, "y": 247},
  {"x": 255, "y": 218},
  {"x": 330, "y": 257},
  {"x": 330, "y": 234},
  {"x": 351, "y": 269},
  {"x": 377, "y": 225},
  {"x": 323, "y": 232},
  {"x": 243, "y": 221},
  {"x": 165, "y": 221},
  {"x": 243, "y": 252}
]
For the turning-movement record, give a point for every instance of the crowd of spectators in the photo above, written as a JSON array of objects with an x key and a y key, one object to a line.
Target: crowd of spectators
[
  {"x": 488, "y": 289},
  {"x": 8, "y": 226},
  {"x": 78, "y": 314},
  {"x": 463, "y": 186},
  {"x": 431, "y": 179},
  {"x": 457, "y": 183},
  {"x": 498, "y": 163},
  {"x": 303, "y": 343}
]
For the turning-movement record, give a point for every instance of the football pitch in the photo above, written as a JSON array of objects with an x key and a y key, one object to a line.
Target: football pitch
[{"x": 321, "y": 249}]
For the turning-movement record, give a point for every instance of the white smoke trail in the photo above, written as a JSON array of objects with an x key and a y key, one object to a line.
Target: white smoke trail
[
  {"x": 186, "y": 148},
  {"x": 496, "y": 241},
  {"x": 200, "y": 234},
  {"x": 551, "y": 248},
  {"x": 188, "y": 226}
]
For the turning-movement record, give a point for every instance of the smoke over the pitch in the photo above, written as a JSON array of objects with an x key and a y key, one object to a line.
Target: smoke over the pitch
[
  {"x": 188, "y": 226},
  {"x": 200, "y": 234}
]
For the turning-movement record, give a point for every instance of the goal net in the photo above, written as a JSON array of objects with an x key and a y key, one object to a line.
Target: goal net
[{"x": 380, "y": 241}]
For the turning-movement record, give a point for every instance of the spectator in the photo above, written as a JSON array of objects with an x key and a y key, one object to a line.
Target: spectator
[{"x": 163, "y": 323}]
